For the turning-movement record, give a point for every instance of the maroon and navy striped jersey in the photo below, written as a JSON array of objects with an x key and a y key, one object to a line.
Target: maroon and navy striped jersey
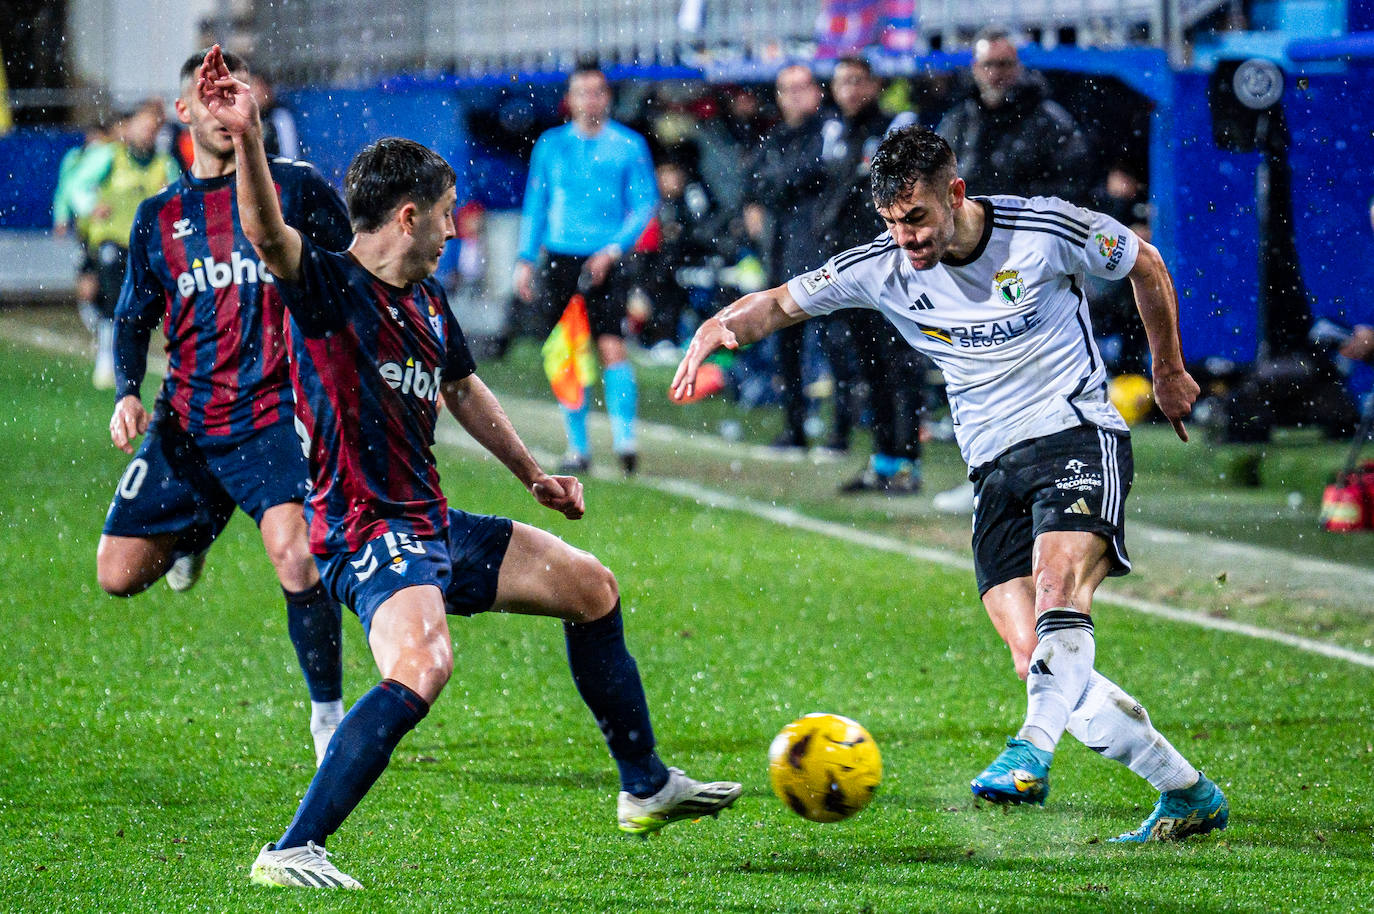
[
  {"x": 191, "y": 267},
  {"x": 367, "y": 361}
]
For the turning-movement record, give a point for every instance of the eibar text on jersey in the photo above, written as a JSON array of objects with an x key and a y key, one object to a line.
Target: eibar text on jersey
[{"x": 218, "y": 275}]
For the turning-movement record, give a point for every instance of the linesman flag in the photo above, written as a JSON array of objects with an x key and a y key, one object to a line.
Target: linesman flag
[
  {"x": 6, "y": 115},
  {"x": 569, "y": 361}
]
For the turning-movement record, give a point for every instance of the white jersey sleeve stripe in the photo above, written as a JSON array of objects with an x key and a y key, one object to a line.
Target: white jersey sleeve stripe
[
  {"x": 1044, "y": 215},
  {"x": 1028, "y": 220}
]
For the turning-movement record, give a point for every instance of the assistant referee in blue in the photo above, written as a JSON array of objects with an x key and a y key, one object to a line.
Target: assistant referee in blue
[{"x": 590, "y": 194}]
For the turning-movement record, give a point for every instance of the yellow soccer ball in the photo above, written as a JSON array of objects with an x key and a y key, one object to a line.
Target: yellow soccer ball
[
  {"x": 1132, "y": 395},
  {"x": 824, "y": 767}
]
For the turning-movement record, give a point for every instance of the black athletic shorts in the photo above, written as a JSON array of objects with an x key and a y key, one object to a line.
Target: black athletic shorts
[
  {"x": 1076, "y": 479},
  {"x": 558, "y": 275}
]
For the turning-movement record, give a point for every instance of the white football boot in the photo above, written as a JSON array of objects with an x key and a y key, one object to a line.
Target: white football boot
[
  {"x": 680, "y": 798},
  {"x": 305, "y": 867},
  {"x": 185, "y": 571}
]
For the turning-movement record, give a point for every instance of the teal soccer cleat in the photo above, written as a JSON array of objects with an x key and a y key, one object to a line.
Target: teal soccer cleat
[
  {"x": 1182, "y": 813},
  {"x": 1021, "y": 774}
]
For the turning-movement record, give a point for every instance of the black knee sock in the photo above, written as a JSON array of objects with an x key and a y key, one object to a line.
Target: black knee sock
[
  {"x": 608, "y": 681},
  {"x": 357, "y": 756},
  {"x": 314, "y": 622}
]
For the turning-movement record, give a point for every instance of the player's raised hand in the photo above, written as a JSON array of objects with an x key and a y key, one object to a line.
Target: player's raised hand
[
  {"x": 561, "y": 493},
  {"x": 1175, "y": 393},
  {"x": 228, "y": 99},
  {"x": 129, "y": 421},
  {"x": 710, "y": 336}
]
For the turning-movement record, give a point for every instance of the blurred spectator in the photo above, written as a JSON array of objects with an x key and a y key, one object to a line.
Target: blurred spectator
[
  {"x": 861, "y": 345},
  {"x": 125, "y": 173},
  {"x": 728, "y": 142},
  {"x": 77, "y": 185},
  {"x": 279, "y": 134},
  {"x": 781, "y": 203},
  {"x": 688, "y": 224},
  {"x": 1009, "y": 136},
  {"x": 590, "y": 194},
  {"x": 470, "y": 278},
  {"x": 1116, "y": 322}
]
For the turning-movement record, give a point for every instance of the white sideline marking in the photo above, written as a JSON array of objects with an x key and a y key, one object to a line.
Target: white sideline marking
[
  {"x": 796, "y": 520},
  {"x": 446, "y": 433}
]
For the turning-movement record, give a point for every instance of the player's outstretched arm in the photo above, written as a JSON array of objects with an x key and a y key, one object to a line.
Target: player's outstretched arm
[
  {"x": 231, "y": 103},
  {"x": 478, "y": 412},
  {"x": 743, "y": 321},
  {"x": 1155, "y": 298}
]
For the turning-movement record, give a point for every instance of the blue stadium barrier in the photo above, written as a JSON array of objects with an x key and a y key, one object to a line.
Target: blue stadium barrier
[{"x": 29, "y": 157}]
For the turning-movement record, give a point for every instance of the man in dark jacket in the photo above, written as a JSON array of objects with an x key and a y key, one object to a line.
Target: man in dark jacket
[
  {"x": 781, "y": 202},
  {"x": 860, "y": 345},
  {"x": 1010, "y": 136}
]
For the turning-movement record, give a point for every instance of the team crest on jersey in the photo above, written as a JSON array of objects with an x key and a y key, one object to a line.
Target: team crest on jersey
[
  {"x": 814, "y": 282},
  {"x": 436, "y": 322},
  {"x": 1010, "y": 286}
]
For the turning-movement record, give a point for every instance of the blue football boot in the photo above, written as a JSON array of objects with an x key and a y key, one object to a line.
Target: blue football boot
[
  {"x": 1181, "y": 813},
  {"x": 1021, "y": 774}
]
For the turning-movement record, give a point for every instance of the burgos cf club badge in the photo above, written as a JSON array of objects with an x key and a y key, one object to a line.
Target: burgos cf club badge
[{"x": 1009, "y": 286}]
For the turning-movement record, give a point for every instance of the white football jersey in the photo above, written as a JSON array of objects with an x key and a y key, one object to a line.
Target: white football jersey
[{"x": 1008, "y": 326}]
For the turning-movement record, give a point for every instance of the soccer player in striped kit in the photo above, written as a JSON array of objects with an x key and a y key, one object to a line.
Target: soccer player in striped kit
[
  {"x": 222, "y": 433},
  {"x": 990, "y": 289},
  {"x": 375, "y": 350}
]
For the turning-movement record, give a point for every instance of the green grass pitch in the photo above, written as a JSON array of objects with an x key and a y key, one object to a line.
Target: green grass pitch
[{"x": 148, "y": 747}]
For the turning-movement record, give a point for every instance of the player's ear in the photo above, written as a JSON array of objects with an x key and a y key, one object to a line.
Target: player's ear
[
  {"x": 957, "y": 193},
  {"x": 183, "y": 112},
  {"x": 405, "y": 216}
]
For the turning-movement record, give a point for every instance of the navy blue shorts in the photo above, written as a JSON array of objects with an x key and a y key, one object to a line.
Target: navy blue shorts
[
  {"x": 1076, "y": 479},
  {"x": 189, "y": 486},
  {"x": 464, "y": 565}
]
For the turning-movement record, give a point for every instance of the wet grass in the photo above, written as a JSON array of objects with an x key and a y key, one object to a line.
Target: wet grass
[{"x": 151, "y": 746}]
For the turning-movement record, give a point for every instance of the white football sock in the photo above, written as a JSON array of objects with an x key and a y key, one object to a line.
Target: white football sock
[
  {"x": 324, "y": 720},
  {"x": 1059, "y": 671},
  {"x": 1113, "y": 724}
]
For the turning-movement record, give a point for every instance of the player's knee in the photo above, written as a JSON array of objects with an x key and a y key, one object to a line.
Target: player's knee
[
  {"x": 116, "y": 577},
  {"x": 291, "y": 558},
  {"x": 119, "y": 582},
  {"x": 598, "y": 590},
  {"x": 1055, "y": 586}
]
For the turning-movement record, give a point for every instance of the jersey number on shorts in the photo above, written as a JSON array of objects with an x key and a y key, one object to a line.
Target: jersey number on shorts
[
  {"x": 367, "y": 564},
  {"x": 133, "y": 478}
]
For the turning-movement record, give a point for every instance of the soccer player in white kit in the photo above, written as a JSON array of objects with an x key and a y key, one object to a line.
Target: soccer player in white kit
[{"x": 991, "y": 289}]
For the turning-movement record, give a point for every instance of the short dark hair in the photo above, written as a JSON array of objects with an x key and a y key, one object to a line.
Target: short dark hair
[
  {"x": 995, "y": 31},
  {"x": 854, "y": 60},
  {"x": 587, "y": 68},
  {"x": 234, "y": 62},
  {"x": 906, "y": 157},
  {"x": 390, "y": 172}
]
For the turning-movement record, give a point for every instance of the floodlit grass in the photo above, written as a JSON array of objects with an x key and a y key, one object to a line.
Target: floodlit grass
[{"x": 152, "y": 745}]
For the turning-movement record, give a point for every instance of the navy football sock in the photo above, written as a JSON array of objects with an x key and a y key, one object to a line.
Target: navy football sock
[
  {"x": 608, "y": 681},
  {"x": 314, "y": 622},
  {"x": 357, "y": 756}
]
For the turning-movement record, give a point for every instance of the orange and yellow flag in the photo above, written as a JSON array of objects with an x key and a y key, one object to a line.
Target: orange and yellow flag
[{"x": 568, "y": 359}]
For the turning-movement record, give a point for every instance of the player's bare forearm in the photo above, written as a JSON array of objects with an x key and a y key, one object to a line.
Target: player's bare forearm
[
  {"x": 1155, "y": 298},
  {"x": 478, "y": 412},
  {"x": 745, "y": 320},
  {"x": 481, "y": 416},
  {"x": 278, "y": 244},
  {"x": 231, "y": 103}
]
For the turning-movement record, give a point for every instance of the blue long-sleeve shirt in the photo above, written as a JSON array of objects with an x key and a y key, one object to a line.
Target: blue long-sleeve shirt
[{"x": 587, "y": 193}]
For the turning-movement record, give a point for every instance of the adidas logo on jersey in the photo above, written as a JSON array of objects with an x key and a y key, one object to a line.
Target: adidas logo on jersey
[
  {"x": 921, "y": 304},
  {"x": 411, "y": 379},
  {"x": 1078, "y": 507},
  {"x": 213, "y": 274}
]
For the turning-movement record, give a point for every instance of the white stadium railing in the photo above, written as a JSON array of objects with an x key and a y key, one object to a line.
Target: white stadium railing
[{"x": 358, "y": 39}]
